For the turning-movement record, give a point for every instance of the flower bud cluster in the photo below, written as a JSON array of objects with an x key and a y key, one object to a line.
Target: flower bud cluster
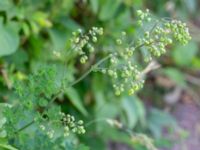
[
  {"x": 143, "y": 16},
  {"x": 82, "y": 41},
  {"x": 155, "y": 42},
  {"x": 125, "y": 77},
  {"x": 162, "y": 34},
  {"x": 70, "y": 125},
  {"x": 49, "y": 132},
  {"x": 180, "y": 31},
  {"x": 123, "y": 70}
]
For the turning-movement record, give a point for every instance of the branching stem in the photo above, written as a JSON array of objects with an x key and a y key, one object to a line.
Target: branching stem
[
  {"x": 70, "y": 85},
  {"x": 93, "y": 67}
]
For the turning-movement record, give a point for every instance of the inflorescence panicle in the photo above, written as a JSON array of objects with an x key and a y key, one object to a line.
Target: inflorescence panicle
[
  {"x": 124, "y": 72},
  {"x": 126, "y": 75},
  {"x": 82, "y": 41}
]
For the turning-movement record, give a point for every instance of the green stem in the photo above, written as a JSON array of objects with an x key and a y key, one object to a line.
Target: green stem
[
  {"x": 81, "y": 77},
  {"x": 95, "y": 121},
  {"x": 25, "y": 126},
  {"x": 90, "y": 70}
]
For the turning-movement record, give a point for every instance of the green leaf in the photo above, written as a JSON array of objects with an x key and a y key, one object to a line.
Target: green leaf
[
  {"x": 183, "y": 55},
  {"x": 75, "y": 99},
  {"x": 58, "y": 38},
  {"x": 98, "y": 90},
  {"x": 140, "y": 110},
  {"x": 108, "y": 9},
  {"x": 134, "y": 110},
  {"x": 9, "y": 39}
]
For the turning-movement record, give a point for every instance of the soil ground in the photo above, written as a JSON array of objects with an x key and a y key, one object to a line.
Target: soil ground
[{"x": 188, "y": 118}]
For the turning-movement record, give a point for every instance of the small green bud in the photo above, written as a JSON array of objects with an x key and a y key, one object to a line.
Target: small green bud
[
  {"x": 83, "y": 59},
  {"x": 94, "y": 39},
  {"x": 117, "y": 92},
  {"x": 149, "y": 19},
  {"x": 139, "y": 12},
  {"x": 139, "y": 22},
  {"x": 119, "y": 41},
  {"x": 74, "y": 130},
  {"x": 80, "y": 122},
  {"x": 131, "y": 91}
]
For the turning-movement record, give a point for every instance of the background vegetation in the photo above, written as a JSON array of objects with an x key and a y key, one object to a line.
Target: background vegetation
[{"x": 34, "y": 32}]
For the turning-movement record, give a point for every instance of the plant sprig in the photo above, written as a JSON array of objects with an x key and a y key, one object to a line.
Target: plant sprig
[{"x": 37, "y": 96}]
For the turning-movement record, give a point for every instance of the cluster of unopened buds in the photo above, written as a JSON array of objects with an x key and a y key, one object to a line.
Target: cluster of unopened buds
[
  {"x": 125, "y": 78},
  {"x": 123, "y": 70},
  {"x": 82, "y": 43},
  {"x": 126, "y": 75},
  {"x": 161, "y": 34},
  {"x": 69, "y": 125},
  {"x": 179, "y": 30},
  {"x": 143, "y": 16},
  {"x": 49, "y": 132}
]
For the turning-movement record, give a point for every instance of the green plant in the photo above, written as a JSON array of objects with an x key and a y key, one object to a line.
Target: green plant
[{"x": 36, "y": 96}]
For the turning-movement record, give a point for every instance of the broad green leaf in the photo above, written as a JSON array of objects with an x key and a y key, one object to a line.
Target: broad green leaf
[
  {"x": 140, "y": 109},
  {"x": 131, "y": 114},
  {"x": 134, "y": 110},
  {"x": 107, "y": 111},
  {"x": 9, "y": 39},
  {"x": 75, "y": 99},
  {"x": 183, "y": 55},
  {"x": 58, "y": 38},
  {"x": 98, "y": 90},
  {"x": 19, "y": 58}
]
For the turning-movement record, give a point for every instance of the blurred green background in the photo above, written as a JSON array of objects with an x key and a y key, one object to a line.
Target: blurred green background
[{"x": 32, "y": 30}]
